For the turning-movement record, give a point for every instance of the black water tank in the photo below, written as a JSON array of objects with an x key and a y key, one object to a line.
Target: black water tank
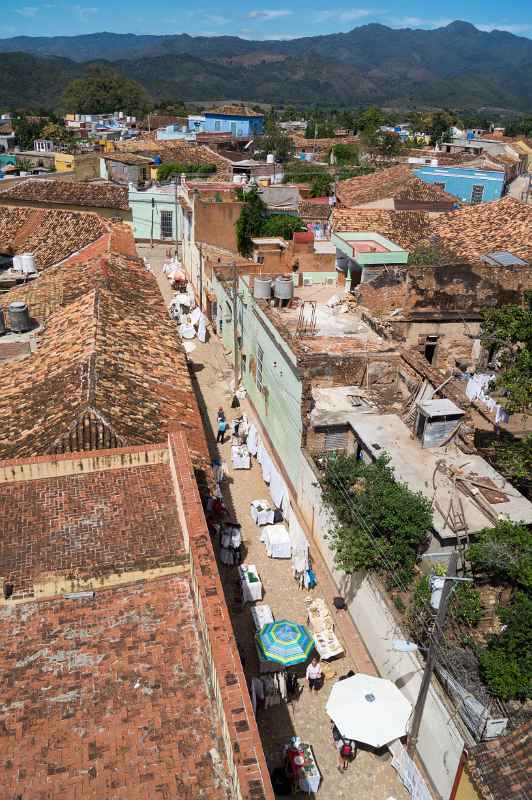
[{"x": 19, "y": 317}]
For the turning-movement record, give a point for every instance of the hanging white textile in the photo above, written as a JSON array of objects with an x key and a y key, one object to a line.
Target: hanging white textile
[
  {"x": 267, "y": 466},
  {"x": 299, "y": 544},
  {"x": 195, "y": 316},
  {"x": 261, "y": 513},
  {"x": 277, "y": 541},
  {"x": 252, "y": 440},
  {"x": 277, "y": 487},
  {"x": 202, "y": 328}
]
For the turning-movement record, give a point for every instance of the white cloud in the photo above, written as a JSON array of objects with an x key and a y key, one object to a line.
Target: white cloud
[
  {"x": 269, "y": 15},
  {"x": 83, "y": 12},
  {"x": 417, "y": 22},
  {"x": 27, "y": 11},
  {"x": 502, "y": 26},
  {"x": 216, "y": 19},
  {"x": 346, "y": 14}
]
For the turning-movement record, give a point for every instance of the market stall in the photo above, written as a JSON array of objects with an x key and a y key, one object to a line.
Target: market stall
[
  {"x": 250, "y": 583},
  {"x": 240, "y": 457},
  {"x": 322, "y": 626},
  {"x": 262, "y": 512},
  {"x": 277, "y": 541},
  {"x": 369, "y": 709},
  {"x": 301, "y": 763}
]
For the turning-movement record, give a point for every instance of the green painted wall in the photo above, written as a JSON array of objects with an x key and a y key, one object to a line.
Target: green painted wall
[
  {"x": 141, "y": 210},
  {"x": 278, "y": 406}
]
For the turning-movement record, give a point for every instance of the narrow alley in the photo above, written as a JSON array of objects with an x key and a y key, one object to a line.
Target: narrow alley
[{"x": 370, "y": 776}]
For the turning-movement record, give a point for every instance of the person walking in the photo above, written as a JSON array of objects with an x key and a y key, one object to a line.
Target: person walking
[
  {"x": 313, "y": 674},
  {"x": 222, "y": 427},
  {"x": 346, "y": 752}
]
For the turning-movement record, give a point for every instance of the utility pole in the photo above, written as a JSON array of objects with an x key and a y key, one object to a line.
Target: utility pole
[
  {"x": 175, "y": 214},
  {"x": 435, "y": 639},
  {"x": 235, "y": 326}
]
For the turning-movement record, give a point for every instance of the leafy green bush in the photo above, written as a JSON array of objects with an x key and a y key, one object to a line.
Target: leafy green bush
[
  {"x": 504, "y": 554},
  {"x": 251, "y": 220},
  {"x": 302, "y": 172},
  {"x": 321, "y": 186},
  {"x": 166, "y": 171},
  {"x": 506, "y": 664},
  {"x": 282, "y": 225},
  {"x": 465, "y": 606},
  {"x": 344, "y": 153},
  {"x": 344, "y": 173},
  {"x": 370, "y": 506}
]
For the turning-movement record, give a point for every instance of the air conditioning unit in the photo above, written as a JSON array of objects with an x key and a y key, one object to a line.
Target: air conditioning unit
[
  {"x": 330, "y": 281},
  {"x": 307, "y": 281}
]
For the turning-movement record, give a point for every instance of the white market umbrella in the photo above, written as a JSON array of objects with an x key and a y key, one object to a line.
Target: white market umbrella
[{"x": 368, "y": 709}]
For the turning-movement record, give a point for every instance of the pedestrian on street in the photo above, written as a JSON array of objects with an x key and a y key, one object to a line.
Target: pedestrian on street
[
  {"x": 222, "y": 427},
  {"x": 314, "y": 674},
  {"x": 346, "y": 752},
  {"x": 220, "y": 414}
]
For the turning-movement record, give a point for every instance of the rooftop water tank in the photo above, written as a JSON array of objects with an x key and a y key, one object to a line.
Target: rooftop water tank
[
  {"x": 157, "y": 161},
  {"x": 2, "y": 322},
  {"x": 28, "y": 264},
  {"x": 262, "y": 288},
  {"x": 17, "y": 263},
  {"x": 270, "y": 158},
  {"x": 19, "y": 317},
  {"x": 283, "y": 288}
]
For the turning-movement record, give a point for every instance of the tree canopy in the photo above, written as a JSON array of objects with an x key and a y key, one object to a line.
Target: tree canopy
[
  {"x": 104, "y": 91},
  {"x": 507, "y": 332},
  {"x": 504, "y": 554},
  {"x": 371, "y": 506},
  {"x": 251, "y": 220}
]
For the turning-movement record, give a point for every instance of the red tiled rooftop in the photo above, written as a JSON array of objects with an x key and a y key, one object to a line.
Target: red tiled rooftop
[
  {"x": 96, "y": 194},
  {"x": 88, "y": 525},
  {"x": 107, "y": 698}
]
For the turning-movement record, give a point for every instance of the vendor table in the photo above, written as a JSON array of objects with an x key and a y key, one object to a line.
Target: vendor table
[
  {"x": 240, "y": 457},
  {"x": 261, "y": 513},
  {"x": 262, "y": 615},
  {"x": 308, "y": 776},
  {"x": 322, "y": 626},
  {"x": 277, "y": 541},
  {"x": 250, "y": 583}
]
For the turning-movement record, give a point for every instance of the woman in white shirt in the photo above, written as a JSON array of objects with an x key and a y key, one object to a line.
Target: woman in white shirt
[{"x": 313, "y": 674}]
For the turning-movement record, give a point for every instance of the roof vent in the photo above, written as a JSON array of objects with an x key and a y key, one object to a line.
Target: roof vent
[{"x": 19, "y": 317}]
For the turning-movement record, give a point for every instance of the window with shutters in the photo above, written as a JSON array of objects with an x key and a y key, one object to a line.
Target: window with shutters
[
  {"x": 167, "y": 226},
  {"x": 336, "y": 438},
  {"x": 260, "y": 360},
  {"x": 477, "y": 194}
]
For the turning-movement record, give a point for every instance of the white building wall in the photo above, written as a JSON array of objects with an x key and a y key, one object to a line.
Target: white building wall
[{"x": 440, "y": 742}]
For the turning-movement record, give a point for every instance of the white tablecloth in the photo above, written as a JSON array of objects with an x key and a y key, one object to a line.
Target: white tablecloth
[
  {"x": 251, "y": 591},
  {"x": 309, "y": 776},
  {"x": 262, "y": 615},
  {"x": 277, "y": 541},
  {"x": 240, "y": 457},
  {"x": 261, "y": 513}
]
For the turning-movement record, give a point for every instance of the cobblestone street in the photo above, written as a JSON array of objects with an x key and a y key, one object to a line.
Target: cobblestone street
[{"x": 370, "y": 776}]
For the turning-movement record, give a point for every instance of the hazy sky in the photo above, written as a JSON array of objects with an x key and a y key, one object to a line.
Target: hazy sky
[{"x": 273, "y": 21}]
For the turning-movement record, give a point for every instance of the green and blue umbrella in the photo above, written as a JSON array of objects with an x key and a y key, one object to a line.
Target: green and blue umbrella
[{"x": 285, "y": 642}]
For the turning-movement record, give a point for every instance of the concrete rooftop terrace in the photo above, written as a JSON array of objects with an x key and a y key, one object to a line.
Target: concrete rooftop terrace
[{"x": 337, "y": 329}]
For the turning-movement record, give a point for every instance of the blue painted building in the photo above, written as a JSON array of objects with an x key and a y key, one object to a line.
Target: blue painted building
[
  {"x": 240, "y": 122},
  {"x": 468, "y": 184}
]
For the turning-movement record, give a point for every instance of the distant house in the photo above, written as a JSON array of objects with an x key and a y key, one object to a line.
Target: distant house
[
  {"x": 7, "y": 135},
  {"x": 468, "y": 184},
  {"x": 240, "y": 121},
  {"x": 125, "y": 168}
]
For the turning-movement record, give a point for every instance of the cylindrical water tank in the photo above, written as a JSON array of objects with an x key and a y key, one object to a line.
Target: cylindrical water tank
[
  {"x": 283, "y": 287},
  {"x": 19, "y": 317},
  {"x": 262, "y": 287},
  {"x": 28, "y": 264},
  {"x": 270, "y": 158},
  {"x": 2, "y": 321},
  {"x": 17, "y": 263}
]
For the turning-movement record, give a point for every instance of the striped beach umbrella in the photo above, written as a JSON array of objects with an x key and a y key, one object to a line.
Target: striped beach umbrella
[{"x": 285, "y": 642}]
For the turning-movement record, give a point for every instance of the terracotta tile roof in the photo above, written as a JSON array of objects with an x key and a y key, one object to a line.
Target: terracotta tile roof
[
  {"x": 133, "y": 159},
  {"x": 108, "y": 369},
  {"x": 314, "y": 212},
  {"x": 405, "y": 228},
  {"x": 416, "y": 190},
  {"x": 107, "y": 697},
  {"x": 179, "y": 152},
  {"x": 473, "y": 231},
  {"x": 502, "y": 769},
  {"x": 376, "y": 186},
  {"x": 128, "y": 515},
  {"x": 95, "y": 194},
  {"x": 50, "y": 234}
]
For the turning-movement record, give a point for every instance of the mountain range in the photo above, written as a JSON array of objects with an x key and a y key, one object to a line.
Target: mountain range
[{"x": 456, "y": 65}]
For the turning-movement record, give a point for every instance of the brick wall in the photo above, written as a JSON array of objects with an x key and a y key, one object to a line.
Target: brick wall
[{"x": 244, "y": 752}]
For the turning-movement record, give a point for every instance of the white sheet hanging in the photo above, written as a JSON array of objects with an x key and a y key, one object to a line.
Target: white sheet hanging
[
  {"x": 267, "y": 466},
  {"x": 252, "y": 440},
  {"x": 277, "y": 487},
  {"x": 299, "y": 544}
]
